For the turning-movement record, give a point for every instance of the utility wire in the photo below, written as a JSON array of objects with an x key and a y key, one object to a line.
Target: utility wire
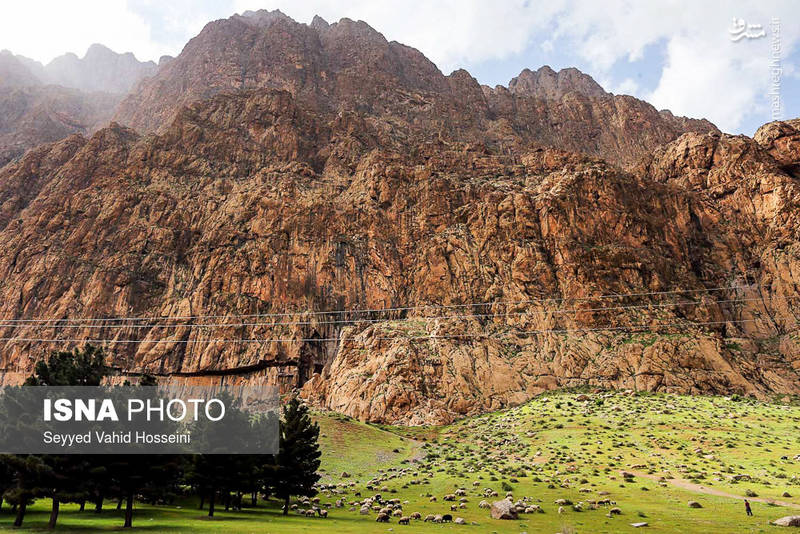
[
  {"x": 405, "y": 319},
  {"x": 625, "y": 328},
  {"x": 385, "y": 310}
]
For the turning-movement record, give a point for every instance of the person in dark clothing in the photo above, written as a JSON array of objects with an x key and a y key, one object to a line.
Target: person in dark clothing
[{"x": 747, "y": 507}]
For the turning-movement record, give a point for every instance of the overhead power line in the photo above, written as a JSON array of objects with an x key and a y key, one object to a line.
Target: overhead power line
[
  {"x": 94, "y": 325},
  {"x": 387, "y": 310},
  {"x": 487, "y": 335}
]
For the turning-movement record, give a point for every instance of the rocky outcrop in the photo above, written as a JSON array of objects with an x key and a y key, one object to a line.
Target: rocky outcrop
[
  {"x": 348, "y": 66},
  {"x": 503, "y": 510},
  {"x": 251, "y": 203},
  {"x": 409, "y": 250},
  {"x": 32, "y": 115},
  {"x": 552, "y": 85},
  {"x": 99, "y": 70},
  {"x": 41, "y": 104},
  {"x": 788, "y": 521},
  {"x": 782, "y": 140}
]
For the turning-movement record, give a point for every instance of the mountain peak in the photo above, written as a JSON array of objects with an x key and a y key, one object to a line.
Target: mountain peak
[
  {"x": 100, "y": 69},
  {"x": 14, "y": 72},
  {"x": 318, "y": 23},
  {"x": 264, "y": 17},
  {"x": 549, "y": 84}
]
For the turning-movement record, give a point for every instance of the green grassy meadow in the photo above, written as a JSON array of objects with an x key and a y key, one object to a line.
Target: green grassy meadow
[{"x": 561, "y": 445}]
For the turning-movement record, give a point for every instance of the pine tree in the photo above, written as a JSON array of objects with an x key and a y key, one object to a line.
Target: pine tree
[
  {"x": 29, "y": 479},
  {"x": 298, "y": 458},
  {"x": 77, "y": 368},
  {"x": 60, "y": 477},
  {"x": 218, "y": 472}
]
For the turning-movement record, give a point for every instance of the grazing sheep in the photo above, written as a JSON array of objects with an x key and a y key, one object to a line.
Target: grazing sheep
[
  {"x": 397, "y": 513},
  {"x": 453, "y": 507},
  {"x": 433, "y": 499},
  {"x": 459, "y": 521},
  {"x": 429, "y": 517},
  {"x": 447, "y": 518},
  {"x": 323, "y": 514},
  {"x": 416, "y": 515},
  {"x": 560, "y": 510},
  {"x": 438, "y": 519},
  {"x": 404, "y": 520},
  {"x": 310, "y": 513},
  {"x": 382, "y": 518}
]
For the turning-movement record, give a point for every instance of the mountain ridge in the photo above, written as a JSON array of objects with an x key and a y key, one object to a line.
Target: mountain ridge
[{"x": 282, "y": 171}]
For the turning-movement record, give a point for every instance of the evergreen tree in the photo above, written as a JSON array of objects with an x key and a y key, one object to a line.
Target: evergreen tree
[
  {"x": 298, "y": 458},
  {"x": 77, "y": 368},
  {"x": 67, "y": 481},
  {"x": 217, "y": 472},
  {"x": 29, "y": 479}
]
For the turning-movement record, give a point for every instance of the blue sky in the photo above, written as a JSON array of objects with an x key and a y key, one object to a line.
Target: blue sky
[{"x": 677, "y": 55}]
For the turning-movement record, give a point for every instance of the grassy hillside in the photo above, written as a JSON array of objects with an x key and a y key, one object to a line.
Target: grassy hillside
[{"x": 649, "y": 454}]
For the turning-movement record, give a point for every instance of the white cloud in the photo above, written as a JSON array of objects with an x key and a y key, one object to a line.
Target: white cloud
[
  {"x": 43, "y": 30},
  {"x": 705, "y": 74},
  {"x": 628, "y": 86}
]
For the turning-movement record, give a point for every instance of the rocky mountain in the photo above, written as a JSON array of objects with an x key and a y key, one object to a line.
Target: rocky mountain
[
  {"x": 32, "y": 115},
  {"x": 498, "y": 242},
  {"x": 100, "y": 69},
  {"x": 349, "y": 66},
  {"x": 41, "y": 104},
  {"x": 552, "y": 85},
  {"x": 14, "y": 73}
]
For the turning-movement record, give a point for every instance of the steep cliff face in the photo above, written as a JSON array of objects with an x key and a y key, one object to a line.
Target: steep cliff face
[
  {"x": 706, "y": 209},
  {"x": 498, "y": 242},
  {"x": 252, "y": 203},
  {"x": 348, "y": 66}
]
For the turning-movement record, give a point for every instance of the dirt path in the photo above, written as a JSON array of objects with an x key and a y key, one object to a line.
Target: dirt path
[{"x": 698, "y": 488}]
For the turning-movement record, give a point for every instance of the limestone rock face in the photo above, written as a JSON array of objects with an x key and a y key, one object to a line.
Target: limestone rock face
[
  {"x": 349, "y": 66},
  {"x": 409, "y": 250},
  {"x": 546, "y": 83},
  {"x": 782, "y": 141}
]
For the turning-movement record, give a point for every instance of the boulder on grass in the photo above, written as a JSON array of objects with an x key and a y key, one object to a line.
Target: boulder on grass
[
  {"x": 504, "y": 510},
  {"x": 788, "y": 521}
]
